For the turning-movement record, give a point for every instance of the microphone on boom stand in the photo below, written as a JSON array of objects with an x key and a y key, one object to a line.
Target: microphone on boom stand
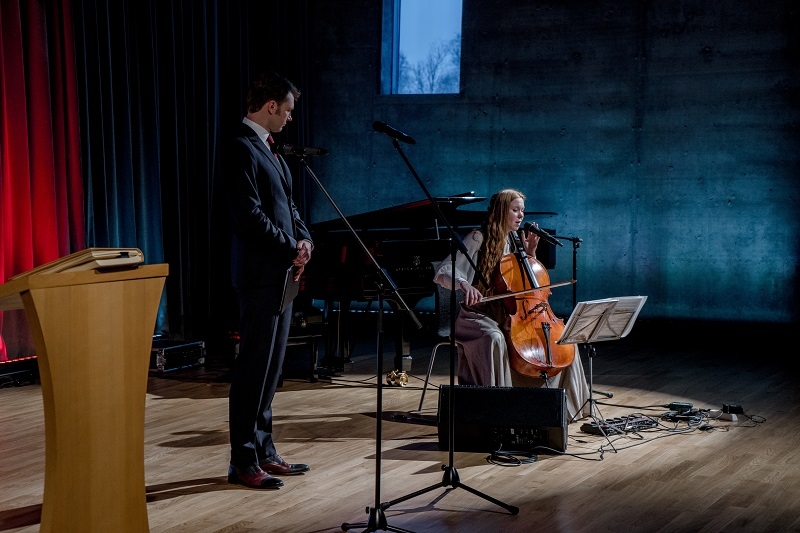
[{"x": 546, "y": 237}]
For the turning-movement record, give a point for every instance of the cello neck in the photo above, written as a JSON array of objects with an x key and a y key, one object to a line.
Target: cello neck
[{"x": 522, "y": 256}]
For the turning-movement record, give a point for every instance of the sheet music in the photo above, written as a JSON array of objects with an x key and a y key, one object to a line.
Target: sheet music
[{"x": 602, "y": 320}]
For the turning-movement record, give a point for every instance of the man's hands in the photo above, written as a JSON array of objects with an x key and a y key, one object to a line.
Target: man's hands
[{"x": 304, "y": 248}]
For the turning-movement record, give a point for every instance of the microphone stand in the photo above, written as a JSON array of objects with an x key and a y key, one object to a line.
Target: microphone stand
[
  {"x": 450, "y": 477},
  {"x": 576, "y": 243},
  {"x": 377, "y": 519}
]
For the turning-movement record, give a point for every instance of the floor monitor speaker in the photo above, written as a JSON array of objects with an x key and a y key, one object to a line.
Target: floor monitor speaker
[{"x": 488, "y": 419}]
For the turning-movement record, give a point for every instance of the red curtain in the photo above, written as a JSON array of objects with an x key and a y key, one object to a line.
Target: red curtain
[{"x": 41, "y": 190}]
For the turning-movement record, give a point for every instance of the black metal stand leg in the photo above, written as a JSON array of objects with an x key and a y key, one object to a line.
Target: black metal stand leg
[
  {"x": 377, "y": 518},
  {"x": 591, "y": 401},
  {"x": 603, "y": 393},
  {"x": 450, "y": 478}
]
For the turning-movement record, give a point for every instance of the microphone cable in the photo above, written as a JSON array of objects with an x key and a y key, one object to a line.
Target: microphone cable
[{"x": 511, "y": 457}]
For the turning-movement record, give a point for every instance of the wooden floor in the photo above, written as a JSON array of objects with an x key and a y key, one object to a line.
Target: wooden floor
[{"x": 741, "y": 475}]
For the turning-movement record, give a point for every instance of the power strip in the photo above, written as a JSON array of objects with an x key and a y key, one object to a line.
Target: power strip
[
  {"x": 611, "y": 426},
  {"x": 682, "y": 416}
]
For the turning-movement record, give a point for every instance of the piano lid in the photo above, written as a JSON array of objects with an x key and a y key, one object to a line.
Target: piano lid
[
  {"x": 417, "y": 215},
  {"x": 413, "y": 215}
]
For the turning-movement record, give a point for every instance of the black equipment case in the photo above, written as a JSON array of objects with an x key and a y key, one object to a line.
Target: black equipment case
[{"x": 167, "y": 355}]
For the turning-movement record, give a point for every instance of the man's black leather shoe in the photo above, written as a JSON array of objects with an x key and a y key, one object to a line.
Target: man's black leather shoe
[
  {"x": 253, "y": 477},
  {"x": 275, "y": 465}
]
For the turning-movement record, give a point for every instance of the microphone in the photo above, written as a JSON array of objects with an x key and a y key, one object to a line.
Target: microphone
[
  {"x": 288, "y": 149},
  {"x": 382, "y": 127},
  {"x": 530, "y": 228}
]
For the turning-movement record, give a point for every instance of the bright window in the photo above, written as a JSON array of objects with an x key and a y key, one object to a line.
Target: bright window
[{"x": 421, "y": 51}]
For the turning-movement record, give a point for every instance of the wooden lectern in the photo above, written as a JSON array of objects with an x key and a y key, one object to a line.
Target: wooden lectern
[{"x": 93, "y": 332}]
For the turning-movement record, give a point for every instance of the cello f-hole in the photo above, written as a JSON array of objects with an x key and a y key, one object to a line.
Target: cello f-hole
[{"x": 546, "y": 331}]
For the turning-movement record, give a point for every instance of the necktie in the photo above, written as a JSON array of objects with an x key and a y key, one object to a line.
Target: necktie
[{"x": 271, "y": 144}]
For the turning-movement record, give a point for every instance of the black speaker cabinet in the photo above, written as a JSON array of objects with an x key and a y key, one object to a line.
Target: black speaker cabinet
[{"x": 488, "y": 419}]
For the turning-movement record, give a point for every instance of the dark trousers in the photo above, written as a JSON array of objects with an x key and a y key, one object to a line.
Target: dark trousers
[{"x": 256, "y": 372}]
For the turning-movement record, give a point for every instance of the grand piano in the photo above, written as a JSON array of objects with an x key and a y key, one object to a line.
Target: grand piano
[{"x": 405, "y": 240}]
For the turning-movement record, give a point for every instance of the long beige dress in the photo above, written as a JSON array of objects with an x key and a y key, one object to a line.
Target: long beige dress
[{"x": 483, "y": 357}]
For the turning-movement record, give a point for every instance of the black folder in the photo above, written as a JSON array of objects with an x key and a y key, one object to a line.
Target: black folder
[{"x": 290, "y": 288}]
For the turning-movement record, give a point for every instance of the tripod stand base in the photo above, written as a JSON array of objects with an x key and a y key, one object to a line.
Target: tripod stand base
[
  {"x": 450, "y": 478},
  {"x": 377, "y": 521},
  {"x": 592, "y": 403},
  {"x": 377, "y": 518}
]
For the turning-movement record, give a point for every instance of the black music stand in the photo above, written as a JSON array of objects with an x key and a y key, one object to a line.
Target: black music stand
[
  {"x": 600, "y": 320},
  {"x": 450, "y": 478}
]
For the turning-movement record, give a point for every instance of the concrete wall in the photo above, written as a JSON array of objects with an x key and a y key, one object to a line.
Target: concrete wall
[{"x": 663, "y": 134}]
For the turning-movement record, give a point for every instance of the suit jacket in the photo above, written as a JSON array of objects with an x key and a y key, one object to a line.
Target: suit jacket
[{"x": 265, "y": 223}]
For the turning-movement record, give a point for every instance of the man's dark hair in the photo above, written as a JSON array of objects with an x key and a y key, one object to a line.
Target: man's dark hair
[{"x": 269, "y": 86}]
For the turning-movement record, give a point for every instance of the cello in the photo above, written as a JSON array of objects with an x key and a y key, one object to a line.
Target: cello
[{"x": 532, "y": 351}]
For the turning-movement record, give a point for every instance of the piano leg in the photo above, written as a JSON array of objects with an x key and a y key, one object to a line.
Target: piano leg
[
  {"x": 402, "y": 358},
  {"x": 338, "y": 328},
  {"x": 402, "y": 343}
]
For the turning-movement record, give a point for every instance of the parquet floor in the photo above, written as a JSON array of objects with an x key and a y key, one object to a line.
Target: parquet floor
[{"x": 732, "y": 476}]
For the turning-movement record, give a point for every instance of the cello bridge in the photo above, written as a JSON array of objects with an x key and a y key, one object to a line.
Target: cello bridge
[
  {"x": 533, "y": 312},
  {"x": 539, "y": 308}
]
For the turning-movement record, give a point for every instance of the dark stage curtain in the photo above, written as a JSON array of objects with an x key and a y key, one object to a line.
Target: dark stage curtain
[
  {"x": 114, "y": 112},
  {"x": 151, "y": 111}
]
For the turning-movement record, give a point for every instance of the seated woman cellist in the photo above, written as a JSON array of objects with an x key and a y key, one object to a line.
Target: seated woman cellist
[{"x": 481, "y": 329}]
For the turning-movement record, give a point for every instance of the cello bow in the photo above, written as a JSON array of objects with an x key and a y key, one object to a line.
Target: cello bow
[{"x": 526, "y": 291}]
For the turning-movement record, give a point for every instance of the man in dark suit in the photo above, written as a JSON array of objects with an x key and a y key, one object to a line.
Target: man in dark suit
[{"x": 268, "y": 238}]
